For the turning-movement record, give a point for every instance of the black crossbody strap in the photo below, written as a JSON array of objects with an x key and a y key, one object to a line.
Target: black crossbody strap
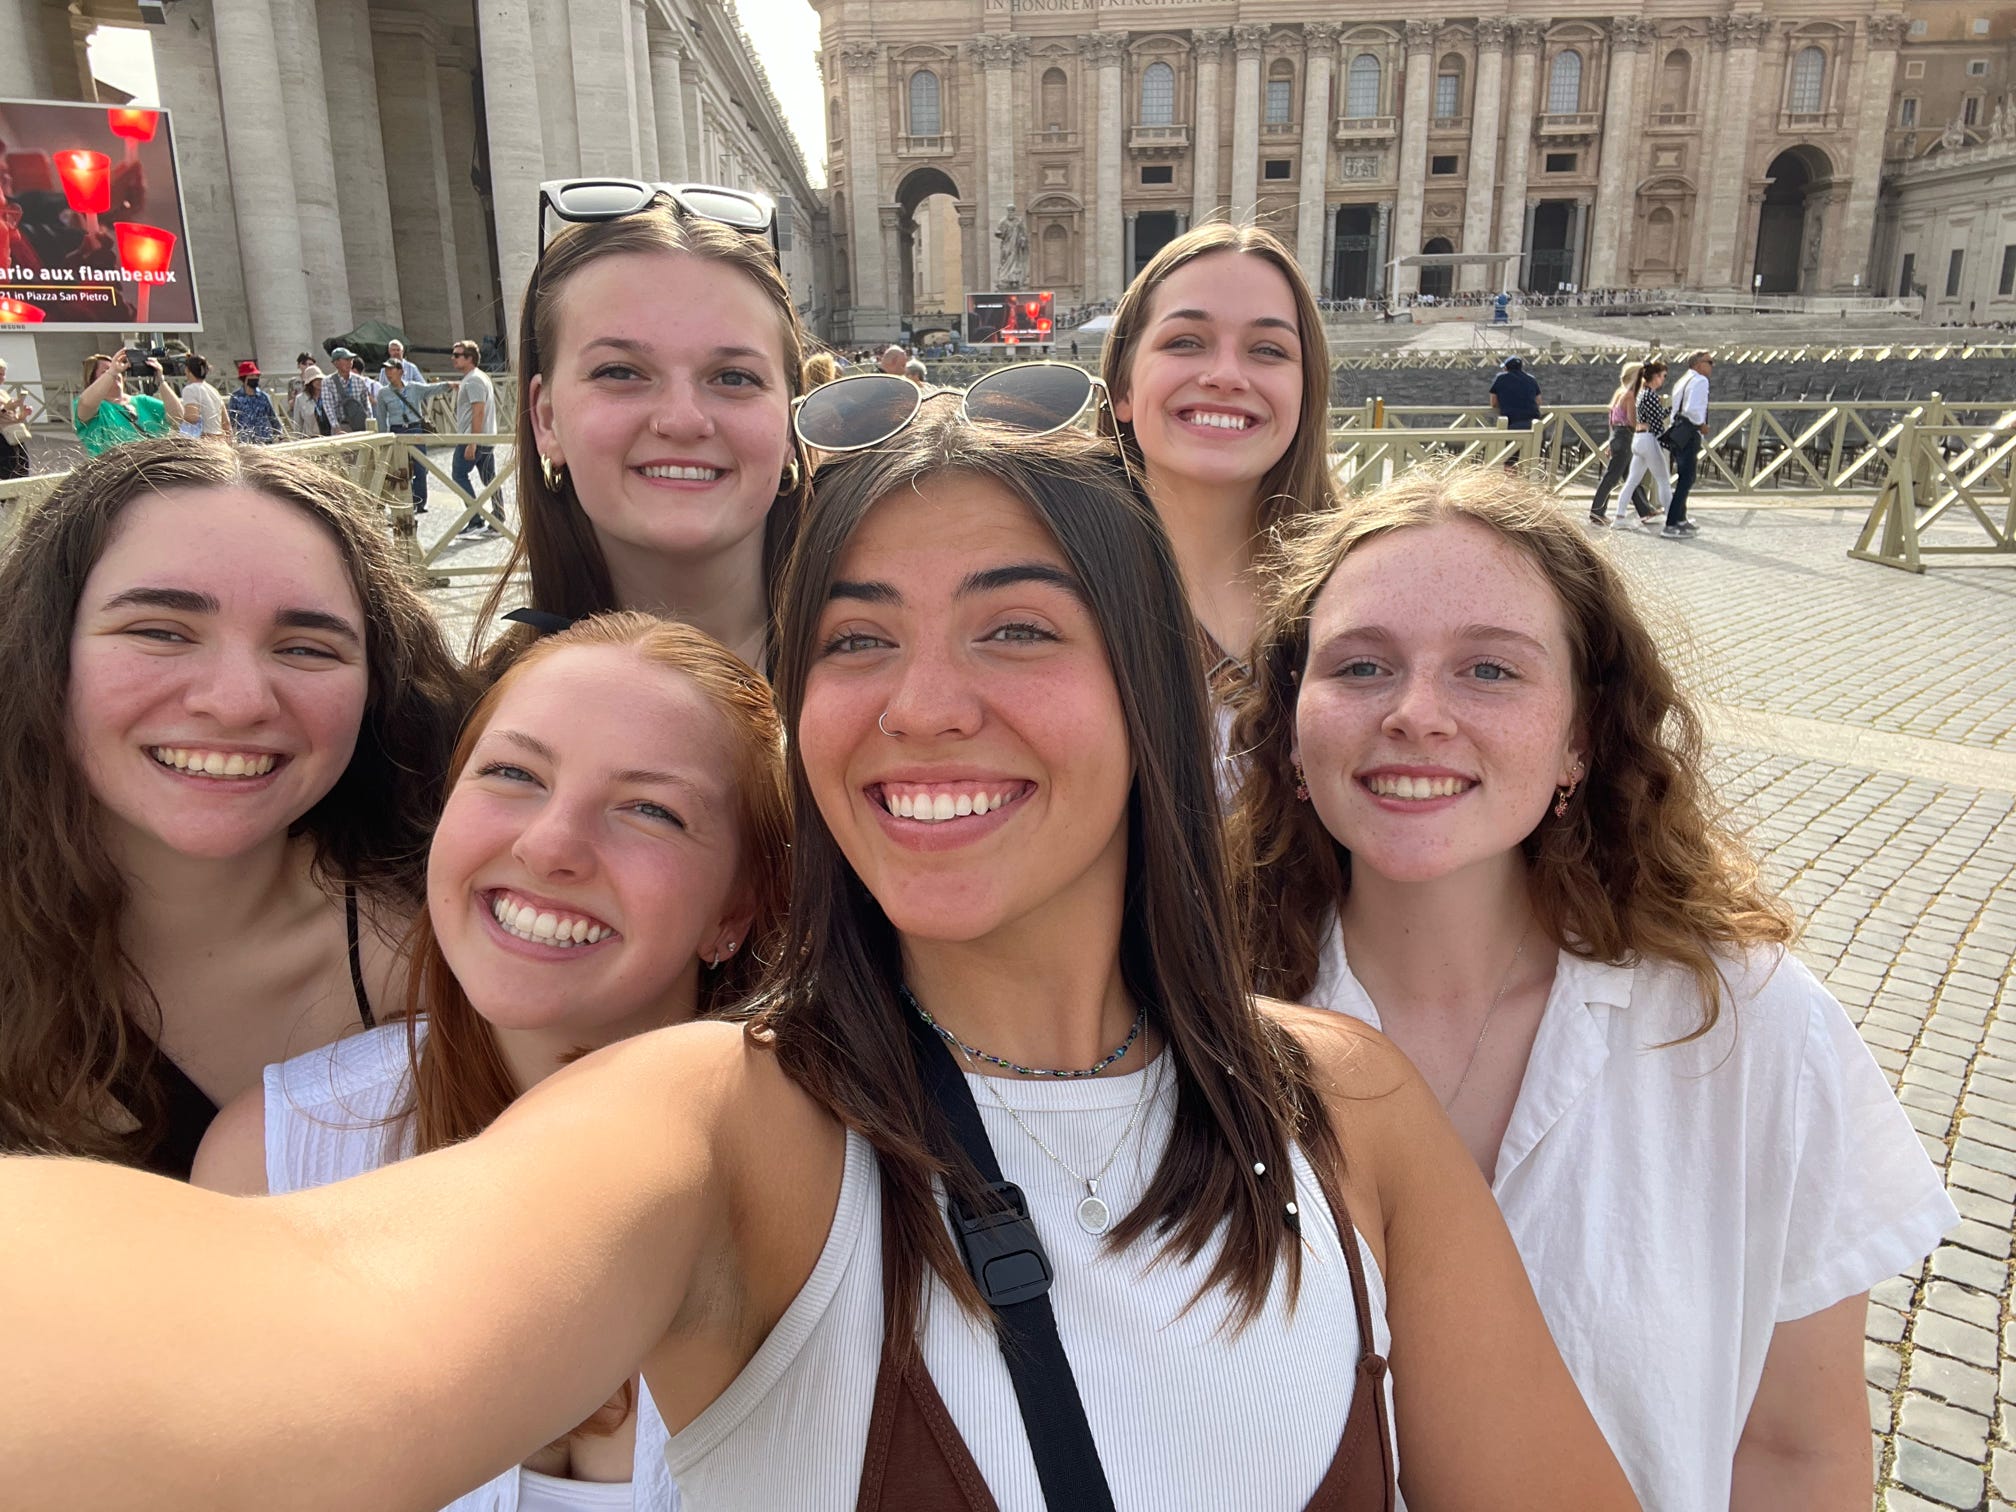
[{"x": 1009, "y": 1265}]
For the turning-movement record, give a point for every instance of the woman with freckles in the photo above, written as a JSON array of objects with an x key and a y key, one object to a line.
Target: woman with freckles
[
  {"x": 659, "y": 353},
  {"x": 612, "y": 858},
  {"x": 1478, "y": 816},
  {"x": 1010, "y": 908},
  {"x": 226, "y": 716}
]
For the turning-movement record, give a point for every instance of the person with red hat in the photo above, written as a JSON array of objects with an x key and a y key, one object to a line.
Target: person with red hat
[{"x": 253, "y": 417}]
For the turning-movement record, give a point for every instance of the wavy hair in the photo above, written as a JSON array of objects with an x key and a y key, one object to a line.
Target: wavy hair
[
  {"x": 1643, "y": 863},
  {"x": 1244, "y": 1085},
  {"x": 460, "y": 1081},
  {"x": 556, "y": 543},
  {"x": 1300, "y": 481},
  {"x": 77, "y": 1017}
]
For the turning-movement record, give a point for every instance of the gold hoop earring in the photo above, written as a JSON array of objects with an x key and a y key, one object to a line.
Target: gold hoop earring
[
  {"x": 789, "y": 482},
  {"x": 554, "y": 476},
  {"x": 1562, "y": 795}
]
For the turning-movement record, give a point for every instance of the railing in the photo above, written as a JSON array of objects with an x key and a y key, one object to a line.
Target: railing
[
  {"x": 1053, "y": 139},
  {"x": 1349, "y": 129},
  {"x": 1466, "y": 359},
  {"x": 1808, "y": 120},
  {"x": 1579, "y": 123},
  {"x": 1154, "y": 139},
  {"x": 1675, "y": 120},
  {"x": 940, "y": 145},
  {"x": 50, "y": 402},
  {"x": 1943, "y": 469}
]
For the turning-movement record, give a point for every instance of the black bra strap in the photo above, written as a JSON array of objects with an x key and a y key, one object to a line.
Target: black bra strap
[
  {"x": 1010, "y": 1266},
  {"x": 364, "y": 1012}
]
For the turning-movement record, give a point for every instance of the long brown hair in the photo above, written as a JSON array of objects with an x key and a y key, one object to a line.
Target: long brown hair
[
  {"x": 460, "y": 1081},
  {"x": 556, "y": 543},
  {"x": 1642, "y": 865},
  {"x": 1300, "y": 481},
  {"x": 1244, "y": 1085},
  {"x": 77, "y": 1018}
]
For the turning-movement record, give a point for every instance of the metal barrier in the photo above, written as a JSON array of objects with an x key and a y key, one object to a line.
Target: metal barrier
[{"x": 1474, "y": 359}]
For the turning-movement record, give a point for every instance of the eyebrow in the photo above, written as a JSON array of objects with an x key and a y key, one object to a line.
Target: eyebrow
[
  {"x": 1467, "y": 632},
  {"x": 645, "y": 349},
  {"x": 987, "y": 580},
  {"x": 539, "y": 748},
  {"x": 1269, "y": 322},
  {"x": 189, "y": 601}
]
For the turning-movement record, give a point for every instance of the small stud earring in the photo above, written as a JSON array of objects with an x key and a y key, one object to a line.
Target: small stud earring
[
  {"x": 1301, "y": 784},
  {"x": 1562, "y": 795}
]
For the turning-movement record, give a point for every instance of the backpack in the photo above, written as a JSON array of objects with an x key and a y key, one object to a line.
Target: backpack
[{"x": 350, "y": 405}]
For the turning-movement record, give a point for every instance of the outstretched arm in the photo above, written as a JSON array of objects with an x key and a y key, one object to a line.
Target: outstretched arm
[{"x": 386, "y": 1342}]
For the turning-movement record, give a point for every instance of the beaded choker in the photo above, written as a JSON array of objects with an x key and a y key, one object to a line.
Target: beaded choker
[{"x": 910, "y": 1002}]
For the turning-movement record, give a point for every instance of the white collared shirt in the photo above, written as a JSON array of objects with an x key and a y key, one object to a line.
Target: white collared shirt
[
  {"x": 1674, "y": 1205},
  {"x": 1690, "y": 397}
]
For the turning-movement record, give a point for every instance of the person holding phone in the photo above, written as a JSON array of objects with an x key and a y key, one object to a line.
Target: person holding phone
[{"x": 105, "y": 415}]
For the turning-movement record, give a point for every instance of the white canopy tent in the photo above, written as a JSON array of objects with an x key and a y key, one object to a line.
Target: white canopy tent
[{"x": 1506, "y": 262}]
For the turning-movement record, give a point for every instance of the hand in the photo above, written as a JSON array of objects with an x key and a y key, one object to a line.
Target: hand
[
  {"x": 469, "y": 452},
  {"x": 155, "y": 364}
]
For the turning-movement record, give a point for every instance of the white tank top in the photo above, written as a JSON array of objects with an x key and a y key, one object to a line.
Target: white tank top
[
  {"x": 1185, "y": 1413},
  {"x": 325, "y": 1121}
]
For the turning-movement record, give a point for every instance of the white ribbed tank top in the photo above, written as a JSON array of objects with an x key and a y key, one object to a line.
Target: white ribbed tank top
[
  {"x": 325, "y": 1121},
  {"x": 1185, "y": 1413}
]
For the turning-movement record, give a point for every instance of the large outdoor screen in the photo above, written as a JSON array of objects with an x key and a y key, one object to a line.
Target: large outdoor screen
[
  {"x": 92, "y": 236},
  {"x": 1010, "y": 319}
]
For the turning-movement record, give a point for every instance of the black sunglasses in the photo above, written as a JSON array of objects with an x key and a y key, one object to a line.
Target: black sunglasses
[
  {"x": 607, "y": 199},
  {"x": 864, "y": 410}
]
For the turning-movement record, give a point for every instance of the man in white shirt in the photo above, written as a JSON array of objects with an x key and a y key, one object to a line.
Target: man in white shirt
[{"x": 1690, "y": 419}]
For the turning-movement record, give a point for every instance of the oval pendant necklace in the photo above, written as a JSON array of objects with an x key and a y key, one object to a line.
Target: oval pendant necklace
[{"x": 1094, "y": 1216}]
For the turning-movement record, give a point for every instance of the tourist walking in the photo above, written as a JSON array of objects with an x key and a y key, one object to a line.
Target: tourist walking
[
  {"x": 401, "y": 408},
  {"x": 305, "y": 409},
  {"x": 346, "y": 395},
  {"x": 253, "y": 417},
  {"x": 1690, "y": 419},
  {"x": 14, "y": 410},
  {"x": 475, "y": 415},
  {"x": 203, "y": 406},
  {"x": 1648, "y": 424},
  {"x": 1623, "y": 421},
  {"x": 105, "y": 415}
]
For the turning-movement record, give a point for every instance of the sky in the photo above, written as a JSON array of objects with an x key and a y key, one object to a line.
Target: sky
[{"x": 785, "y": 34}]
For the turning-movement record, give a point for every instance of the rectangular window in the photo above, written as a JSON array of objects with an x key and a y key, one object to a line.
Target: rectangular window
[
  {"x": 1953, "y": 262},
  {"x": 1907, "y": 111},
  {"x": 1442, "y": 166},
  {"x": 1980, "y": 26},
  {"x": 1158, "y": 173},
  {"x": 1278, "y": 168},
  {"x": 1977, "y": 68},
  {"x": 1561, "y": 162},
  {"x": 1907, "y": 276},
  {"x": 1970, "y": 111},
  {"x": 1917, "y": 28},
  {"x": 1280, "y": 102},
  {"x": 1447, "y": 87},
  {"x": 1915, "y": 69},
  {"x": 2006, "y": 284}
]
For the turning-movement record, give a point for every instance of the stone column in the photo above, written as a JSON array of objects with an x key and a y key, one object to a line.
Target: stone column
[
  {"x": 1382, "y": 249},
  {"x": 1715, "y": 59},
  {"x": 1208, "y": 46},
  {"x": 480, "y": 316},
  {"x": 895, "y": 299},
  {"x": 185, "y": 62},
  {"x": 311, "y": 150},
  {"x": 262, "y": 181},
  {"x": 1326, "y": 285},
  {"x": 559, "y": 122},
  {"x": 971, "y": 254},
  {"x": 997, "y": 56},
  {"x": 646, "y": 102},
  {"x": 423, "y": 211},
  {"x": 1512, "y": 219},
  {"x": 20, "y": 78},
  {"x": 1882, "y": 34},
  {"x": 604, "y": 86},
  {"x": 1614, "y": 177},
  {"x": 1320, "y": 39},
  {"x": 872, "y": 313},
  {"x": 517, "y": 159},
  {"x": 1485, "y": 126},
  {"x": 357, "y": 152},
  {"x": 1246, "y": 42},
  {"x": 1415, "y": 105},
  {"x": 668, "y": 103},
  {"x": 1108, "y": 49},
  {"x": 1720, "y": 267}
]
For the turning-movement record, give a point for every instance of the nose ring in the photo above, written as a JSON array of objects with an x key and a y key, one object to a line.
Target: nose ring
[{"x": 883, "y": 727}]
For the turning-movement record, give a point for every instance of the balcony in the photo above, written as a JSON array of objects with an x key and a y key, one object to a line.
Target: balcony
[
  {"x": 926, "y": 146},
  {"x": 1449, "y": 126},
  {"x": 1053, "y": 139},
  {"x": 1798, "y": 121},
  {"x": 1675, "y": 120},
  {"x": 1581, "y": 124},
  {"x": 1352, "y": 130},
  {"x": 1158, "y": 141}
]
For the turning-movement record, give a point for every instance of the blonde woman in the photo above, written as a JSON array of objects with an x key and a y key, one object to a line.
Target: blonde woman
[
  {"x": 1622, "y": 418},
  {"x": 1648, "y": 424}
]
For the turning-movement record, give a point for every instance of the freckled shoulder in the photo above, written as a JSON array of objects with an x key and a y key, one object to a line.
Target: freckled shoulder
[{"x": 1352, "y": 1059}]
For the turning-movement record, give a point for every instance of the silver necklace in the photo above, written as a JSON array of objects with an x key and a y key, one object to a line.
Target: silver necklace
[
  {"x": 1093, "y": 1215},
  {"x": 1489, "y": 1013}
]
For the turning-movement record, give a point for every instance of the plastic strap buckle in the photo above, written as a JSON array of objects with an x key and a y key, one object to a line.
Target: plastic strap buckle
[{"x": 1000, "y": 1247}]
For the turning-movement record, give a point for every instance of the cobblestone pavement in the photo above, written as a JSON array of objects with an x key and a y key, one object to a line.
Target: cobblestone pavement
[{"x": 1865, "y": 724}]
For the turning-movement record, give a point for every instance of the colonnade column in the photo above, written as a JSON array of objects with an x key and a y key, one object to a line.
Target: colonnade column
[
  {"x": 1246, "y": 44},
  {"x": 1325, "y": 282},
  {"x": 19, "y": 78},
  {"x": 1127, "y": 256},
  {"x": 1881, "y": 35},
  {"x": 1415, "y": 105},
  {"x": 357, "y": 138},
  {"x": 1621, "y": 137},
  {"x": 1483, "y": 168},
  {"x": 648, "y": 167},
  {"x": 1382, "y": 249},
  {"x": 998, "y": 56},
  {"x": 559, "y": 119},
  {"x": 185, "y": 63},
  {"x": 517, "y": 155},
  {"x": 423, "y": 212},
  {"x": 864, "y": 130},
  {"x": 1208, "y": 47},
  {"x": 312, "y": 151},
  {"x": 1731, "y": 149},
  {"x": 1512, "y": 219},
  {"x": 1320, "y": 38},
  {"x": 604, "y": 85},
  {"x": 668, "y": 102},
  {"x": 262, "y": 181},
  {"x": 1108, "y": 49}
]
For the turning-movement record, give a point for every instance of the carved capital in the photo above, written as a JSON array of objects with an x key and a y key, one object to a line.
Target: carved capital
[
  {"x": 1526, "y": 34},
  {"x": 1421, "y": 34},
  {"x": 1209, "y": 42},
  {"x": 1629, "y": 33},
  {"x": 860, "y": 57},
  {"x": 1104, "y": 48},
  {"x": 892, "y": 217},
  {"x": 1492, "y": 32},
  {"x": 1748, "y": 29},
  {"x": 1248, "y": 40},
  {"x": 1886, "y": 28},
  {"x": 663, "y": 42},
  {"x": 1321, "y": 36}
]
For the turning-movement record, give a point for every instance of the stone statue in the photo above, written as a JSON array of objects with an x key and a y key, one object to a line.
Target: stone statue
[
  {"x": 1955, "y": 135},
  {"x": 1011, "y": 268},
  {"x": 1999, "y": 128}
]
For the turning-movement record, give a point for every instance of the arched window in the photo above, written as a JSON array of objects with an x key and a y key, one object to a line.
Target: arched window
[
  {"x": 1361, "y": 88},
  {"x": 1281, "y": 93},
  {"x": 1053, "y": 99},
  {"x": 1676, "y": 80},
  {"x": 1449, "y": 88},
  {"x": 926, "y": 119},
  {"x": 1056, "y": 255},
  {"x": 1659, "y": 234},
  {"x": 1158, "y": 95},
  {"x": 1809, "y": 74},
  {"x": 1564, "y": 83}
]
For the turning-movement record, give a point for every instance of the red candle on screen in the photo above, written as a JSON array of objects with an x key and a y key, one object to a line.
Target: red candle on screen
[
  {"x": 144, "y": 249},
  {"x": 20, "y": 312},
  {"x": 87, "y": 180},
  {"x": 135, "y": 125}
]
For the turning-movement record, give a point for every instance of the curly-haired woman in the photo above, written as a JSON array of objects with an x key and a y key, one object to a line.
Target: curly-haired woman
[{"x": 1477, "y": 816}]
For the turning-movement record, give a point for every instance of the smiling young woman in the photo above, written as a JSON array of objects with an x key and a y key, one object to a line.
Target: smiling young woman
[
  {"x": 226, "y": 720},
  {"x": 1477, "y": 814}
]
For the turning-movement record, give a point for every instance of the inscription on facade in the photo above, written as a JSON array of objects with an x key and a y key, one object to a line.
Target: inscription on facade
[{"x": 1040, "y": 7}]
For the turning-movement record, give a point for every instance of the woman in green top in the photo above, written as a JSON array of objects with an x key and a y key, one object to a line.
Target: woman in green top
[{"x": 105, "y": 415}]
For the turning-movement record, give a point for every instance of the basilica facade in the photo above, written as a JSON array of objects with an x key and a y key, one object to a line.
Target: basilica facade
[{"x": 1721, "y": 148}]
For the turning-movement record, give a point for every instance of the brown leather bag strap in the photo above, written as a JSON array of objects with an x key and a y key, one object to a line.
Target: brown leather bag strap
[{"x": 1350, "y": 1477}]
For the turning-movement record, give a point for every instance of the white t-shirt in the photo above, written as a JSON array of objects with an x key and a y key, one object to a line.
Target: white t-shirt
[
  {"x": 208, "y": 405},
  {"x": 1674, "y": 1205}
]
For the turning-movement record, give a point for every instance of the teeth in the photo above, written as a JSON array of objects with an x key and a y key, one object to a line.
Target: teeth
[
  {"x": 1219, "y": 422},
  {"x": 933, "y": 808},
  {"x": 683, "y": 474},
  {"x": 213, "y": 763},
  {"x": 1418, "y": 787},
  {"x": 545, "y": 928}
]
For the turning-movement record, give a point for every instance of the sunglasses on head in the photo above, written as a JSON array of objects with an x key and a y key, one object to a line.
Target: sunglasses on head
[
  {"x": 606, "y": 199},
  {"x": 864, "y": 410}
]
